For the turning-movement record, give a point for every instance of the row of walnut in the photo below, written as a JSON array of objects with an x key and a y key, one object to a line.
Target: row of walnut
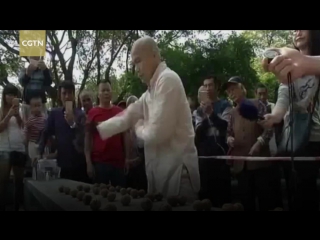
[{"x": 109, "y": 192}]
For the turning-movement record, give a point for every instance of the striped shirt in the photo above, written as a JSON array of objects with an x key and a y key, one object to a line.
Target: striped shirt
[{"x": 33, "y": 128}]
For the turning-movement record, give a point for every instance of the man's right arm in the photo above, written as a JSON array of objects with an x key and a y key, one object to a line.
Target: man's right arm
[
  {"x": 47, "y": 132},
  {"x": 24, "y": 78},
  {"x": 123, "y": 121}
]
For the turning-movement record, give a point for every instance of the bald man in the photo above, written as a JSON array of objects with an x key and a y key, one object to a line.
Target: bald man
[{"x": 162, "y": 119}]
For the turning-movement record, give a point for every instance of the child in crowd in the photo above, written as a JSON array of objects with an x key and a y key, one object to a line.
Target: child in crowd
[{"x": 34, "y": 126}]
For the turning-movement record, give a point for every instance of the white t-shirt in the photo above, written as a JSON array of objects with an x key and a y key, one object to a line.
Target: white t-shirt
[{"x": 12, "y": 138}]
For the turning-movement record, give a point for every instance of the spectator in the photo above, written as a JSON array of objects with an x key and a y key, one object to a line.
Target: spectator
[
  {"x": 261, "y": 93},
  {"x": 305, "y": 88},
  {"x": 248, "y": 138},
  {"x": 211, "y": 126},
  {"x": 12, "y": 148},
  {"x": 34, "y": 127},
  {"x": 105, "y": 158},
  {"x": 34, "y": 80},
  {"x": 68, "y": 127},
  {"x": 86, "y": 100}
]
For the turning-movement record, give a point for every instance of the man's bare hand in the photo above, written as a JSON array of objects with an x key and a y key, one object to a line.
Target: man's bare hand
[
  {"x": 69, "y": 118},
  {"x": 289, "y": 61},
  {"x": 206, "y": 107}
]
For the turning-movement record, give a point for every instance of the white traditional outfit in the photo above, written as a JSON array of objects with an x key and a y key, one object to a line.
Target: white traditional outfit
[{"x": 163, "y": 121}]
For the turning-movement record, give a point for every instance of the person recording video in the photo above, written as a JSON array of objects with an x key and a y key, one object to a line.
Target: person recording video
[
  {"x": 211, "y": 122},
  {"x": 300, "y": 64},
  {"x": 34, "y": 79}
]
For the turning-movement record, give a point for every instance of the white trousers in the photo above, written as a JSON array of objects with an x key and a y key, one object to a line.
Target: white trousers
[{"x": 186, "y": 188}]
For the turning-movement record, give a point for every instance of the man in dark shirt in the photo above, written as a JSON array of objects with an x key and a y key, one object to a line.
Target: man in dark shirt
[
  {"x": 34, "y": 79},
  {"x": 68, "y": 128},
  {"x": 211, "y": 122}
]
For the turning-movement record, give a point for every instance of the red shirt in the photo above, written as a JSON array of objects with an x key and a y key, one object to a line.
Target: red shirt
[{"x": 111, "y": 150}]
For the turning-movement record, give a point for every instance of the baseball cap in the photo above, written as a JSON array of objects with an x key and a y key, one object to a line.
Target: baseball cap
[{"x": 232, "y": 80}]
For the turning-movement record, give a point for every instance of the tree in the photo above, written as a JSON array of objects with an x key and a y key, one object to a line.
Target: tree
[
  {"x": 223, "y": 57},
  {"x": 262, "y": 39}
]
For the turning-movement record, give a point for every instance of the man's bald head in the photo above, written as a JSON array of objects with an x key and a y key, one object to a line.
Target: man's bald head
[{"x": 145, "y": 56}]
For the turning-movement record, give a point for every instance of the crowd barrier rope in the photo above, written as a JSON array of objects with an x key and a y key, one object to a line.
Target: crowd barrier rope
[{"x": 252, "y": 158}]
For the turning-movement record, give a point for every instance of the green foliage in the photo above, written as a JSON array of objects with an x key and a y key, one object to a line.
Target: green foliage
[
  {"x": 225, "y": 58},
  {"x": 94, "y": 52}
]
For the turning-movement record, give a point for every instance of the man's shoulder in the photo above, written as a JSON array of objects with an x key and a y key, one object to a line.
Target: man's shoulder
[
  {"x": 225, "y": 103},
  {"x": 170, "y": 74},
  {"x": 117, "y": 109}
]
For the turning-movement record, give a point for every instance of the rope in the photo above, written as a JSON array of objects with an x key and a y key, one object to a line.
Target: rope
[{"x": 250, "y": 158}]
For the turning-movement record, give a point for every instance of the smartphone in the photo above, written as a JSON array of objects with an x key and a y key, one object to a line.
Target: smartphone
[
  {"x": 34, "y": 62},
  {"x": 69, "y": 106},
  {"x": 203, "y": 96},
  {"x": 15, "y": 101}
]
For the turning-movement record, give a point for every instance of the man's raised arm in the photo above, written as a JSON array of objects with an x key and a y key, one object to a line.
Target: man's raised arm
[{"x": 123, "y": 121}]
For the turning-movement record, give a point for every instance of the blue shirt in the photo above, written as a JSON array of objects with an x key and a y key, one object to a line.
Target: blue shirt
[{"x": 70, "y": 141}]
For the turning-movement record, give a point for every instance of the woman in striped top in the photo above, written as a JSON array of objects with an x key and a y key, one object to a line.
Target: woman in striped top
[{"x": 34, "y": 126}]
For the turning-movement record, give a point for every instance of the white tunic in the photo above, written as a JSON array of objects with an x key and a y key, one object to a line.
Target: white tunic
[{"x": 163, "y": 120}]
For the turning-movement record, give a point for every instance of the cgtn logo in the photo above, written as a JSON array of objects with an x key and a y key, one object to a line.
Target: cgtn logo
[{"x": 32, "y": 43}]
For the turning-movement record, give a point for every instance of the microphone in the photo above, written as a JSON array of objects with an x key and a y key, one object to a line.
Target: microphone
[{"x": 249, "y": 111}]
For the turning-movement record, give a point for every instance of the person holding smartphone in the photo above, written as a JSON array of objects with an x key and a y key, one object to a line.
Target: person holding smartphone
[
  {"x": 211, "y": 121},
  {"x": 303, "y": 65},
  {"x": 67, "y": 124},
  {"x": 12, "y": 148},
  {"x": 34, "y": 79}
]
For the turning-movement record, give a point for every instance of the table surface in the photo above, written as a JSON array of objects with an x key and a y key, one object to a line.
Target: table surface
[{"x": 47, "y": 193}]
